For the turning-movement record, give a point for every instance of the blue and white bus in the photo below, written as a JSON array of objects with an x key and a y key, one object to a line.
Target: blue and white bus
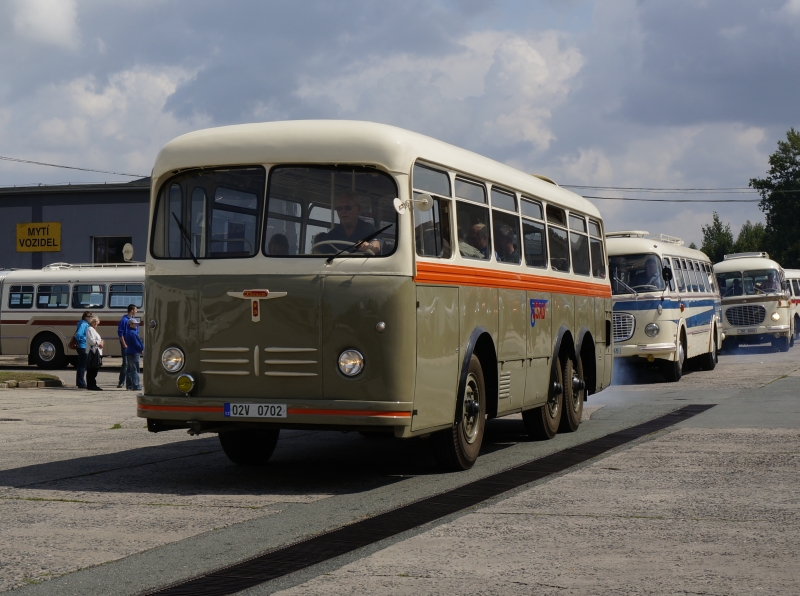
[{"x": 666, "y": 302}]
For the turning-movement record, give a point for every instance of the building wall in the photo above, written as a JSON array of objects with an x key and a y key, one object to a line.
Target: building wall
[{"x": 83, "y": 215}]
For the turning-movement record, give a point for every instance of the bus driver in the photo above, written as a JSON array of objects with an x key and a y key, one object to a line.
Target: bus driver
[{"x": 351, "y": 227}]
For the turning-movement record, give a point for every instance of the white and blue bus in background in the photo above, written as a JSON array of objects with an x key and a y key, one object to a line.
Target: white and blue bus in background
[{"x": 666, "y": 303}]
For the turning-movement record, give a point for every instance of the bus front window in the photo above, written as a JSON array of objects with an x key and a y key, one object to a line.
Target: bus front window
[
  {"x": 320, "y": 211},
  {"x": 635, "y": 273},
  {"x": 762, "y": 281}
]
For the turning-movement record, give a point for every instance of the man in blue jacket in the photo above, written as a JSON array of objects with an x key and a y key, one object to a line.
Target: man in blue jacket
[
  {"x": 134, "y": 349},
  {"x": 80, "y": 338},
  {"x": 122, "y": 329}
]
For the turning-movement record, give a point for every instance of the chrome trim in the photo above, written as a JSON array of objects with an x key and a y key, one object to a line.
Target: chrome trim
[
  {"x": 289, "y": 374},
  {"x": 226, "y": 361},
  {"x": 228, "y": 373},
  {"x": 290, "y": 362}
]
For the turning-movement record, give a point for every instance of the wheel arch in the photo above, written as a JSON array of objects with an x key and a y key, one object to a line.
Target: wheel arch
[
  {"x": 481, "y": 344},
  {"x": 586, "y": 349}
]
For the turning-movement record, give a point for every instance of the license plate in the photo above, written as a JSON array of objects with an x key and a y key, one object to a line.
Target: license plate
[
  {"x": 746, "y": 330},
  {"x": 618, "y": 350},
  {"x": 255, "y": 410}
]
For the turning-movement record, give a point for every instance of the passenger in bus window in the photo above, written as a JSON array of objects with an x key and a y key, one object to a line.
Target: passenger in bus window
[
  {"x": 506, "y": 245},
  {"x": 351, "y": 227},
  {"x": 770, "y": 284},
  {"x": 278, "y": 245},
  {"x": 478, "y": 238}
]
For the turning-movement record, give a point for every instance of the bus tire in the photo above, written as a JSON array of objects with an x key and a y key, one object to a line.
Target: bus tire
[
  {"x": 458, "y": 447},
  {"x": 47, "y": 351},
  {"x": 797, "y": 327},
  {"x": 781, "y": 344},
  {"x": 573, "y": 396},
  {"x": 708, "y": 361},
  {"x": 673, "y": 369},
  {"x": 542, "y": 423},
  {"x": 249, "y": 447}
]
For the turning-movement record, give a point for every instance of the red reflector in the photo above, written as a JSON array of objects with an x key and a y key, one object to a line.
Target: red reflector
[{"x": 255, "y": 293}]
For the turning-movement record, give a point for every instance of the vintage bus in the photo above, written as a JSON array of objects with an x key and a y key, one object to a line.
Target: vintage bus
[
  {"x": 40, "y": 308},
  {"x": 666, "y": 304},
  {"x": 755, "y": 302},
  {"x": 357, "y": 276},
  {"x": 793, "y": 290}
]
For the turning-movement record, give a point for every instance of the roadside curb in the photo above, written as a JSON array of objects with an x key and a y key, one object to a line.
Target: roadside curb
[{"x": 31, "y": 384}]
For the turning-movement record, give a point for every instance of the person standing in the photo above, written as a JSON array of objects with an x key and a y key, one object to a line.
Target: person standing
[
  {"x": 134, "y": 349},
  {"x": 80, "y": 339},
  {"x": 122, "y": 329},
  {"x": 94, "y": 354}
]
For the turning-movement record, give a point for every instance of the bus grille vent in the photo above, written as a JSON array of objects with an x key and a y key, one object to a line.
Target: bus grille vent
[
  {"x": 624, "y": 324},
  {"x": 746, "y": 315},
  {"x": 505, "y": 384}
]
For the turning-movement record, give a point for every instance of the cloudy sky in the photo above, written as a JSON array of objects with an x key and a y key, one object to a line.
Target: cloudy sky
[{"x": 658, "y": 93}]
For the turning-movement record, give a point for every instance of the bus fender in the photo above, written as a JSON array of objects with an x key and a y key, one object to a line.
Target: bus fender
[
  {"x": 589, "y": 370},
  {"x": 681, "y": 328},
  {"x": 490, "y": 376}
]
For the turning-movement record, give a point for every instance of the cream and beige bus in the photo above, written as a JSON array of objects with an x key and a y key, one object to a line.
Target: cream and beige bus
[
  {"x": 357, "y": 276},
  {"x": 666, "y": 304},
  {"x": 755, "y": 302},
  {"x": 40, "y": 308},
  {"x": 793, "y": 290}
]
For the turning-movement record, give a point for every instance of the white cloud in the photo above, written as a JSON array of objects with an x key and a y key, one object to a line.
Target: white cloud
[
  {"x": 52, "y": 22},
  {"x": 791, "y": 8}
]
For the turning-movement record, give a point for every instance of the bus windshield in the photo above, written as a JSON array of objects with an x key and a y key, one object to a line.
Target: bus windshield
[
  {"x": 749, "y": 283},
  {"x": 635, "y": 273},
  {"x": 320, "y": 211}
]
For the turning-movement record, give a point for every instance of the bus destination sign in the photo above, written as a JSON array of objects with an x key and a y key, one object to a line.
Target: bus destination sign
[{"x": 39, "y": 237}]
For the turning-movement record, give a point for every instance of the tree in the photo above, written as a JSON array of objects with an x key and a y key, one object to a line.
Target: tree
[
  {"x": 717, "y": 239},
  {"x": 751, "y": 238},
  {"x": 780, "y": 201},
  {"x": 693, "y": 245}
]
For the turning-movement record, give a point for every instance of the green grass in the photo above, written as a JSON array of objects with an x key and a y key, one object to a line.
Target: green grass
[
  {"x": 6, "y": 375},
  {"x": 116, "y": 426}
]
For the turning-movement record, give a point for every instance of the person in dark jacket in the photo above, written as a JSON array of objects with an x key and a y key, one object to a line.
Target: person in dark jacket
[
  {"x": 134, "y": 349},
  {"x": 80, "y": 339},
  {"x": 122, "y": 329}
]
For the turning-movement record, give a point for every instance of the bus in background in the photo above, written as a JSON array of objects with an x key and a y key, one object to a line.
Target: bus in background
[
  {"x": 755, "y": 302},
  {"x": 793, "y": 290},
  {"x": 666, "y": 304},
  {"x": 357, "y": 276},
  {"x": 40, "y": 308}
]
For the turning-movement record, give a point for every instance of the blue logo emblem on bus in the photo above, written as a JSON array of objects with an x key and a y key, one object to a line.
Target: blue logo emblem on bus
[{"x": 538, "y": 311}]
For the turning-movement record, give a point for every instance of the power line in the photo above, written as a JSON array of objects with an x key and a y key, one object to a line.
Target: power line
[
  {"x": 52, "y": 165},
  {"x": 721, "y": 190},
  {"x": 674, "y": 200}
]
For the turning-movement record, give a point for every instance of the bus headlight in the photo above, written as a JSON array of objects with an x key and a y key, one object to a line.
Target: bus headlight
[
  {"x": 651, "y": 330},
  {"x": 185, "y": 384},
  {"x": 351, "y": 362},
  {"x": 172, "y": 360},
  {"x": 775, "y": 316}
]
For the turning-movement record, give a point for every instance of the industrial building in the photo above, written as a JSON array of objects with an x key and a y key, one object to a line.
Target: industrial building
[{"x": 72, "y": 223}]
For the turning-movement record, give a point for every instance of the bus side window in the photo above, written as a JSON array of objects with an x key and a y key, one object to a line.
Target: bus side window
[
  {"x": 122, "y": 295},
  {"x": 686, "y": 277},
  {"x": 88, "y": 296},
  {"x": 432, "y": 230},
  {"x": 672, "y": 281},
  {"x": 52, "y": 296},
  {"x": 557, "y": 238},
  {"x": 20, "y": 297},
  {"x": 596, "y": 250},
  {"x": 700, "y": 277},
  {"x": 579, "y": 245},
  {"x": 796, "y": 285},
  {"x": 676, "y": 270}
]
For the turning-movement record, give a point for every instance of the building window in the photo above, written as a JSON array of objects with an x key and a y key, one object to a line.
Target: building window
[{"x": 108, "y": 249}]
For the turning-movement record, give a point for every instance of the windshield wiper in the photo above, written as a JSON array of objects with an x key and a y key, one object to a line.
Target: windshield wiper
[
  {"x": 186, "y": 238},
  {"x": 619, "y": 281},
  {"x": 355, "y": 244}
]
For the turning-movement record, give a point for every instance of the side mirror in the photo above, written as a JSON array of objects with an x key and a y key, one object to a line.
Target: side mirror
[
  {"x": 424, "y": 202},
  {"x": 666, "y": 274}
]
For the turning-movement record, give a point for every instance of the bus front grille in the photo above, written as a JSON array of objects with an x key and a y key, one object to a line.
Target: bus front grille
[
  {"x": 746, "y": 315},
  {"x": 624, "y": 324}
]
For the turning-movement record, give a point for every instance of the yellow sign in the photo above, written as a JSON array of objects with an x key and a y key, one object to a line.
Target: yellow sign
[{"x": 39, "y": 237}]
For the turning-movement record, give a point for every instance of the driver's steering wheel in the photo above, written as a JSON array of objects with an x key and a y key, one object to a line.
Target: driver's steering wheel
[{"x": 338, "y": 245}]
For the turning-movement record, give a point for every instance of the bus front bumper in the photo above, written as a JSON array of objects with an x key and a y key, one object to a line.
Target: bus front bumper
[
  {"x": 757, "y": 334},
  {"x": 662, "y": 351},
  {"x": 201, "y": 415}
]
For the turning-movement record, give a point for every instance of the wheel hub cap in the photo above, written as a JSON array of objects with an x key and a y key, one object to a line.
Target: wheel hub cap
[{"x": 47, "y": 351}]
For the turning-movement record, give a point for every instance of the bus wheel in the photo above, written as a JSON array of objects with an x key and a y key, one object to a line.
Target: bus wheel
[
  {"x": 797, "y": 327},
  {"x": 250, "y": 447},
  {"x": 457, "y": 448},
  {"x": 673, "y": 370},
  {"x": 48, "y": 351},
  {"x": 542, "y": 423},
  {"x": 781, "y": 344},
  {"x": 709, "y": 360},
  {"x": 574, "y": 392}
]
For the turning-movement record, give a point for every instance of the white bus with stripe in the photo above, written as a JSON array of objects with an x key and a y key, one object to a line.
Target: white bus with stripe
[{"x": 666, "y": 304}]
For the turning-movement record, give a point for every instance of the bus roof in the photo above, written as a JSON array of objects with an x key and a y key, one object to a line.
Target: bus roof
[
  {"x": 792, "y": 273},
  {"x": 345, "y": 142},
  {"x": 78, "y": 273},
  {"x": 745, "y": 264},
  {"x": 628, "y": 243}
]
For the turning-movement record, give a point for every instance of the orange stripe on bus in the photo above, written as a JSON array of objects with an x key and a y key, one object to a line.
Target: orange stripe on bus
[
  {"x": 473, "y": 276},
  {"x": 217, "y": 409},
  {"x": 313, "y": 412}
]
